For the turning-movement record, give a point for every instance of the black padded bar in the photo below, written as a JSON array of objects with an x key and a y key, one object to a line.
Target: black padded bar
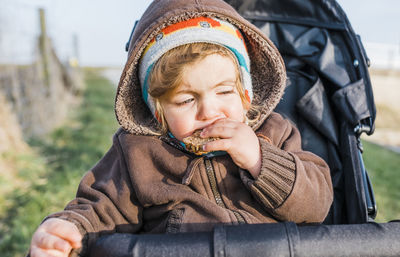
[{"x": 281, "y": 239}]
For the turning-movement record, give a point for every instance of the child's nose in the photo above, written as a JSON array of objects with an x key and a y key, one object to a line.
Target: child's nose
[{"x": 207, "y": 110}]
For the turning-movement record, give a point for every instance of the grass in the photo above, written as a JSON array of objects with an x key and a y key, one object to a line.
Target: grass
[
  {"x": 383, "y": 167},
  {"x": 53, "y": 171}
]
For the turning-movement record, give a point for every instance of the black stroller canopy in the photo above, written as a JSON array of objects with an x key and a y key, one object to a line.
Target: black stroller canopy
[
  {"x": 328, "y": 96},
  {"x": 323, "y": 13}
]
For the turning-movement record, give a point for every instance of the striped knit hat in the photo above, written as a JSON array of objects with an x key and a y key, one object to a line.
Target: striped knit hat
[{"x": 200, "y": 29}]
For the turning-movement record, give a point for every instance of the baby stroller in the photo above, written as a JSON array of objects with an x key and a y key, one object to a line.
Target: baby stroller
[{"x": 329, "y": 98}]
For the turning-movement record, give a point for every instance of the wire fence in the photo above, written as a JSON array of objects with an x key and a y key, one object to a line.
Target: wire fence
[
  {"x": 20, "y": 28},
  {"x": 36, "y": 85},
  {"x": 18, "y": 31}
]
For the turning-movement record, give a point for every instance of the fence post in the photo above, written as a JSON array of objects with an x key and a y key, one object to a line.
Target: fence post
[{"x": 43, "y": 46}]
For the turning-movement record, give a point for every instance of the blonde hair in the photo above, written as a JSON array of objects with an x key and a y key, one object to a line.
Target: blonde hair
[{"x": 167, "y": 73}]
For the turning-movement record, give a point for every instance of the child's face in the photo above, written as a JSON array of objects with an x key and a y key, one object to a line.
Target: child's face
[{"x": 208, "y": 93}]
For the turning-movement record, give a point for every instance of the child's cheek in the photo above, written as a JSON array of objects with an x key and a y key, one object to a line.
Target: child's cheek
[
  {"x": 181, "y": 127},
  {"x": 236, "y": 112}
]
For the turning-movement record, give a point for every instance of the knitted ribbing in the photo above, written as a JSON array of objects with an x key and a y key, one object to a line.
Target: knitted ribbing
[{"x": 275, "y": 181}]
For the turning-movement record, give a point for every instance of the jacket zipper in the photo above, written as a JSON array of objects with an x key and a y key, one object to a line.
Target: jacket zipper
[{"x": 214, "y": 189}]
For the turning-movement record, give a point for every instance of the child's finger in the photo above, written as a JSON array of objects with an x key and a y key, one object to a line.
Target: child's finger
[
  {"x": 226, "y": 122},
  {"x": 73, "y": 237},
  {"x": 218, "y": 145},
  {"x": 218, "y": 131},
  {"x": 67, "y": 231},
  {"x": 44, "y": 240},
  {"x": 56, "y": 253},
  {"x": 38, "y": 252}
]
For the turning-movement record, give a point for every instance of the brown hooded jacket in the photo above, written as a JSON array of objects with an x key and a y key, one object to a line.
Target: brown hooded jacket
[{"x": 146, "y": 185}]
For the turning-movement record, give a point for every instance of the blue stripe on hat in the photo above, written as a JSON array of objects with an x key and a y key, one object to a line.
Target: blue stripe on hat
[
  {"x": 239, "y": 56},
  {"x": 145, "y": 94}
]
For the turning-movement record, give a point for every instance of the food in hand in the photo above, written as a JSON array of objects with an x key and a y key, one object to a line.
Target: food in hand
[{"x": 194, "y": 143}]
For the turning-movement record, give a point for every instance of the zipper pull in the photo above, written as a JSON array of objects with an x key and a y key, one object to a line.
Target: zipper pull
[{"x": 190, "y": 171}]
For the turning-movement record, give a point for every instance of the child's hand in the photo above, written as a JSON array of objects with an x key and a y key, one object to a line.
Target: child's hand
[
  {"x": 239, "y": 140},
  {"x": 55, "y": 237}
]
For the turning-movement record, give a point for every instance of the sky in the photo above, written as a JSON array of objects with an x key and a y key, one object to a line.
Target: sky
[{"x": 102, "y": 27}]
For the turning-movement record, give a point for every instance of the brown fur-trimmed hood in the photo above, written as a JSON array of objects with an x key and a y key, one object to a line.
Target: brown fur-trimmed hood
[{"x": 266, "y": 64}]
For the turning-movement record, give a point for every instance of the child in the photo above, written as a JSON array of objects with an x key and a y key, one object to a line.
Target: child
[{"x": 194, "y": 66}]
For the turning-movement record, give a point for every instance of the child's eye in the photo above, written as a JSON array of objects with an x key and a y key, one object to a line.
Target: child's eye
[
  {"x": 225, "y": 92},
  {"x": 187, "y": 101}
]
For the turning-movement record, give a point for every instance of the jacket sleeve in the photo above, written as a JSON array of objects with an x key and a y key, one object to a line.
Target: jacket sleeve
[
  {"x": 105, "y": 200},
  {"x": 293, "y": 185}
]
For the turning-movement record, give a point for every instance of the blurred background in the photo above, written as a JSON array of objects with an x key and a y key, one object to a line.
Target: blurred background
[{"x": 60, "y": 62}]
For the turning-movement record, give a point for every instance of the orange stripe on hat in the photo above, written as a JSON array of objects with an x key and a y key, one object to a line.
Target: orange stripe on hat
[
  {"x": 189, "y": 23},
  {"x": 195, "y": 22}
]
